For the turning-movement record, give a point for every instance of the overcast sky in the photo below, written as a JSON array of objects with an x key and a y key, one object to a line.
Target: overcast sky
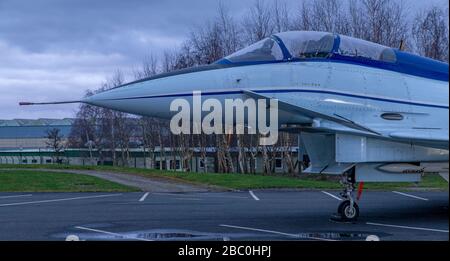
[{"x": 57, "y": 49}]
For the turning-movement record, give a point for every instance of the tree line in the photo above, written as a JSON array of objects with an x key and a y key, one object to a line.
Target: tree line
[{"x": 387, "y": 22}]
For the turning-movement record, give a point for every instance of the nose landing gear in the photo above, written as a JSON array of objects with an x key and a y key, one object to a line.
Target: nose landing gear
[{"x": 348, "y": 210}]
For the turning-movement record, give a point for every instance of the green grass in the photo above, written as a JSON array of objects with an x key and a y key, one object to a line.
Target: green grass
[
  {"x": 42, "y": 181},
  {"x": 246, "y": 181}
]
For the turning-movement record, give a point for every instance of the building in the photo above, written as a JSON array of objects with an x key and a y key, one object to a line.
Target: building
[
  {"x": 30, "y": 134},
  {"x": 25, "y": 142}
]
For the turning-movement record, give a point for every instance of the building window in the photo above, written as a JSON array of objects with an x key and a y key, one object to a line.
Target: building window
[
  {"x": 278, "y": 163},
  {"x": 25, "y": 161},
  {"x": 160, "y": 163},
  {"x": 33, "y": 161},
  {"x": 201, "y": 163},
  {"x": 48, "y": 161},
  {"x": 175, "y": 166}
]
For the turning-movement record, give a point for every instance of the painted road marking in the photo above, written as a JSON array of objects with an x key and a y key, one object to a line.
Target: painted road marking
[
  {"x": 111, "y": 233},
  {"x": 15, "y": 196},
  {"x": 253, "y": 195},
  {"x": 143, "y": 197},
  {"x": 409, "y": 195},
  {"x": 406, "y": 227},
  {"x": 331, "y": 195},
  {"x": 56, "y": 200},
  {"x": 274, "y": 232}
]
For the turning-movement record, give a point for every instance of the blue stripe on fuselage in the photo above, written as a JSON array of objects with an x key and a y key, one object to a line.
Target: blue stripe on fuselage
[
  {"x": 406, "y": 63},
  {"x": 290, "y": 91}
]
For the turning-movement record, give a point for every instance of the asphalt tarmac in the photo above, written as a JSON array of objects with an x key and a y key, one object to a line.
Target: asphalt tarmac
[{"x": 244, "y": 215}]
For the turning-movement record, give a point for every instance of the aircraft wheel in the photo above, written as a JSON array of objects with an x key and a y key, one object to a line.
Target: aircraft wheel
[{"x": 347, "y": 211}]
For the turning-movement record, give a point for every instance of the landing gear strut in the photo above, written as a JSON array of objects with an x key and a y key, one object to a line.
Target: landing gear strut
[{"x": 348, "y": 209}]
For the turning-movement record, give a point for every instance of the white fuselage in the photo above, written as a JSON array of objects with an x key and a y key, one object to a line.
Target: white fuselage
[{"x": 358, "y": 93}]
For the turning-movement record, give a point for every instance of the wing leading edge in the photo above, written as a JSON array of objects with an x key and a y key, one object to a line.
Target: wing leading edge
[{"x": 314, "y": 114}]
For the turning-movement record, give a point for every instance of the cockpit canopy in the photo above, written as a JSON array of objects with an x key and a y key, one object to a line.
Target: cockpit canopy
[
  {"x": 307, "y": 44},
  {"x": 295, "y": 45},
  {"x": 264, "y": 50}
]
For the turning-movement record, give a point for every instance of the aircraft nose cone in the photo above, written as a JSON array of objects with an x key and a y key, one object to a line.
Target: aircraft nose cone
[
  {"x": 152, "y": 97},
  {"x": 120, "y": 99},
  {"x": 143, "y": 98}
]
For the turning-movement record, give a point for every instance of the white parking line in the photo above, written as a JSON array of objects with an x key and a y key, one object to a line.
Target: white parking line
[
  {"x": 274, "y": 232},
  {"x": 111, "y": 233},
  {"x": 253, "y": 195},
  {"x": 406, "y": 227},
  {"x": 409, "y": 195},
  {"x": 331, "y": 195},
  {"x": 56, "y": 200},
  {"x": 144, "y": 197},
  {"x": 16, "y": 196}
]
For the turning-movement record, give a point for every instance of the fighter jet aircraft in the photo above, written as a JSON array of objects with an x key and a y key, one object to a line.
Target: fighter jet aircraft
[{"x": 367, "y": 112}]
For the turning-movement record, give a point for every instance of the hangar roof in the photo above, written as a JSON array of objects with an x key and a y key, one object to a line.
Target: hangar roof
[
  {"x": 38, "y": 122},
  {"x": 25, "y": 128}
]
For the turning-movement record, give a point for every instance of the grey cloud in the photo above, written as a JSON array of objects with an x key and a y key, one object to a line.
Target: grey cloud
[
  {"x": 57, "y": 49},
  {"x": 101, "y": 25}
]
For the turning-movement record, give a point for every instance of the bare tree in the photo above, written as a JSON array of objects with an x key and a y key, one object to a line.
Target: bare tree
[
  {"x": 149, "y": 126},
  {"x": 286, "y": 142},
  {"x": 380, "y": 21},
  {"x": 257, "y": 22},
  {"x": 230, "y": 33},
  {"x": 168, "y": 63},
  {"x": 87, "y": 130},
  {"x": 113, "y": 124},
  {"x": 357, "y": 20},
  {"x": 323, "y": 15},
  {"x": 149, "y": 67},
  {"x": 224, "y": 159},
  {"x": 213, "y": 40},
  {"x": 187, "y": 151},
  {"x": 253, "y": 149},
  {"x": 241, "y": 153},
  {"x": 280, "y": 17},
  {"x": 267, "y": 161},
  {"x": 203, "y": 146},
  {"x": 162, "y": 137},
  {"x": 148, "y": 137},
  {"x": 430, "y": 34},
  {"x": 207, "y": 43},
  {"x": 55, "y": 142}
]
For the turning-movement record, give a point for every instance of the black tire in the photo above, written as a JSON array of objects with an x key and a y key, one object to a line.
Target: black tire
[{"x": 346, "y": 211}]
